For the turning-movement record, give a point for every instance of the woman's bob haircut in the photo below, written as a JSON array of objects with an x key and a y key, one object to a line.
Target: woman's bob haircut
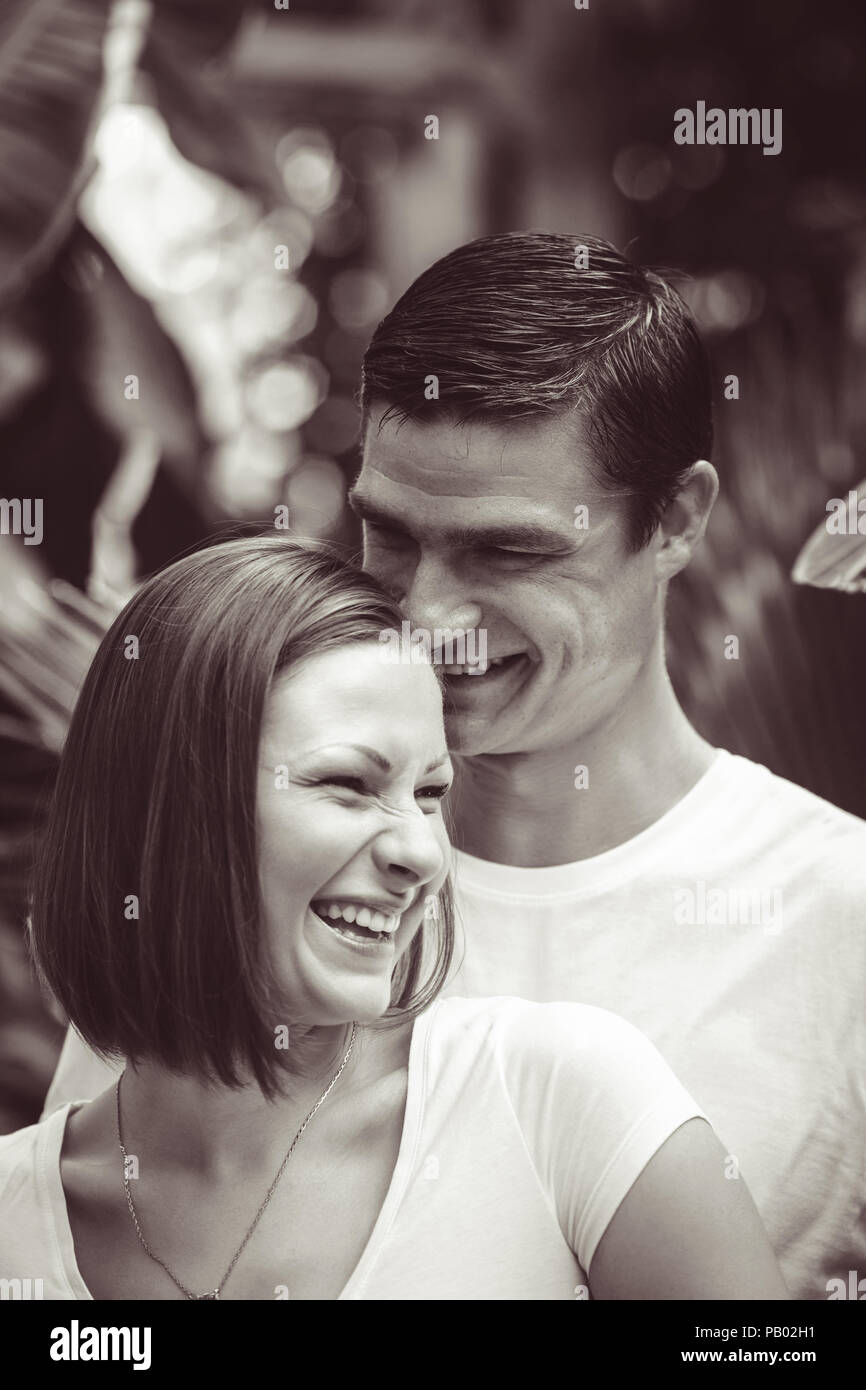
[{"x": 146, "y": 915}]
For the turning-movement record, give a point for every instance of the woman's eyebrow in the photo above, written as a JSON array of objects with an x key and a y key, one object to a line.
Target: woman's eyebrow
[{"x": 378, "y": 758}]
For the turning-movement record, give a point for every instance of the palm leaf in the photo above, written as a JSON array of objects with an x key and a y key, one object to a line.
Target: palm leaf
[
  {"x": 834, "y": 561},
  {"x": 50, "y": 83},
  {"x": 180, "y": 58}
]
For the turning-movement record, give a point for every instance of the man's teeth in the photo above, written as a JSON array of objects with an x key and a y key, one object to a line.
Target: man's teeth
[
  {"x": 360, "y": 915},
  {"x": 477, "y": 668}
]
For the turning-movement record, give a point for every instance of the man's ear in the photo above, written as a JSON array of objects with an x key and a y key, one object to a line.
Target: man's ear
[{"x": 684, "y": 521}]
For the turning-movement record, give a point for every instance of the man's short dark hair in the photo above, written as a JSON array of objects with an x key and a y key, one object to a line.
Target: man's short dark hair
[
  {"x": 536, "y": 323},
  {"x": 156, "y": 800}
]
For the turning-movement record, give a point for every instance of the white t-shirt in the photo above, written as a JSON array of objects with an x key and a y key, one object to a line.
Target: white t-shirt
[
  {"x": 733, "y": 933},
  {"x": 525, "y": 1127}
]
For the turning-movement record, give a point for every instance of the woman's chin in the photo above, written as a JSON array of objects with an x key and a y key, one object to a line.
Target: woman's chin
[
  {"x": 354, "y": 977},
  {"x": 336, "y": 1008},
  {"x": 329, "y": 981},
  {"x": 369, "y": 1012}
]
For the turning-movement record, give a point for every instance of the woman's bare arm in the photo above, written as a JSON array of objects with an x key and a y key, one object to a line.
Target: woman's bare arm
[{"x": 686, "y": 1231}]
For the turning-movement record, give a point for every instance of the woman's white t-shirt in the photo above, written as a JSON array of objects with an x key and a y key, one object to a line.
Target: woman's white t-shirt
[{"x": 525, "y": 1126}]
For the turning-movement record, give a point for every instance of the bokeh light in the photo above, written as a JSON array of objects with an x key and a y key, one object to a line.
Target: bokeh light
[
  {"x": 642, "y": 172},
  {"x": 358, "y": 298},
  {"x": 247, "y": 471},
  {"x": 287, "y": 227},
  {"x": 284, "y": 395},
  {"x": 370, "y": 153},
  {"x": 267, "y": 312},
  {"x": 316, "y": 495},
  {"x": 724, "y": 301},
  {"x": 309, "y": 169}
]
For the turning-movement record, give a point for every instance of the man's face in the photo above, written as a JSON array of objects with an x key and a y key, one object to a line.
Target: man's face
[{"x": 474, "y": 526}]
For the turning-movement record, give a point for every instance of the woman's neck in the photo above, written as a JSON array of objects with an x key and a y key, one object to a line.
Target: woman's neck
[{"x": 170, "y": 1119}]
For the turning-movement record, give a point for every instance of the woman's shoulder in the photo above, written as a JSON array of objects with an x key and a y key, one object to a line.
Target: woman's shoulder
[
  {"x": 507, "y": 1016},
  {"x": 560, "y": 1072},
  {"x": 523, "y": 1035}
]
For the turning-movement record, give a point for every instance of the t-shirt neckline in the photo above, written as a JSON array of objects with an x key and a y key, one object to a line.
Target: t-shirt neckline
[
  {"x": 51, "y": 1147},
  {"x": 600, "y": 871}
]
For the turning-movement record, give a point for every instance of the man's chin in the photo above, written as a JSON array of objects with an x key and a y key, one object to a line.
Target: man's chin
[
  {"x": 482, "y": 711},
  {"x": 470, "y": 734}
]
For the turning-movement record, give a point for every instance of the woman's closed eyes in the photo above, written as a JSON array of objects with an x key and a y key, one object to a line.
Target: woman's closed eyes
[{"x": 361, "y": 788}]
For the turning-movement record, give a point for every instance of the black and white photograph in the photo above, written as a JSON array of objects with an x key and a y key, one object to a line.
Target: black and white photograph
[{"x": 432, "y": 667}]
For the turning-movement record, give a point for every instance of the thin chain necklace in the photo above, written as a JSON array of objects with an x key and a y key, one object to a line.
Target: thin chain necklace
[{"x": 215, "y": 1293}]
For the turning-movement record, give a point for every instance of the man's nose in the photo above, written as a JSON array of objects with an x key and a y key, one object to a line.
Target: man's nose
[{"x": 435, "y": 598}]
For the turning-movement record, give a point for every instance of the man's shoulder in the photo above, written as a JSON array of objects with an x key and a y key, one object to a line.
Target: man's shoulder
[
  {"x": 19, "y": 1152},
  {"x": 789, "y": 807},
  {"x": 29, "y": 1187},
  {"x": 19, "y": 1146}
]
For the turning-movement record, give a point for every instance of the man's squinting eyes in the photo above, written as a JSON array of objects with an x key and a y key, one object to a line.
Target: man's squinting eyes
[
  {"x": 392, "y": 538},
  {"x": 527, "y": 538}
]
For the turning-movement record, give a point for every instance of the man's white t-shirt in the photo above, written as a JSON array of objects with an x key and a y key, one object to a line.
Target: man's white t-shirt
[
  {"x": 525, "y": 1127},
  {"x": 733, "y": 933}
]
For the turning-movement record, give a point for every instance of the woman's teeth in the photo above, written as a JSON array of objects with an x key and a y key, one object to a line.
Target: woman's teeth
[{"x": 357, "y": 915}]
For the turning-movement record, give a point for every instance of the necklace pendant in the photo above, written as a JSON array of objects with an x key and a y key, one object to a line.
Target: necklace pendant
[{"x": 197, "y": 1297}]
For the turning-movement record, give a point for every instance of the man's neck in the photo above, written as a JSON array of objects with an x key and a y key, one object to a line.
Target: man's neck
[{"x": 533, "y": 810}]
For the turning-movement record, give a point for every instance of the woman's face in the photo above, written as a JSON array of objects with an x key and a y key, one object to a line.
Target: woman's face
[{"x": 352, "y": 770}]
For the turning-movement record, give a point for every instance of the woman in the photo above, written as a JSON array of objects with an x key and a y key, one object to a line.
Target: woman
[{"x": 245, "y": 854}]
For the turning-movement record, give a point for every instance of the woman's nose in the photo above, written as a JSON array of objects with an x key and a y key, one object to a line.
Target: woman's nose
[{"x": 409, "y": 852}]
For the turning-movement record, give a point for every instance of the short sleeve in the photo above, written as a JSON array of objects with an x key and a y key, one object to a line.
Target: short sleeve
[{"x": 595, "y": 1101}]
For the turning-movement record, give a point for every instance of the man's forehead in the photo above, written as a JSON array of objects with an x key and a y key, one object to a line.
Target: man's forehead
[{"x": 533, "y": 460}]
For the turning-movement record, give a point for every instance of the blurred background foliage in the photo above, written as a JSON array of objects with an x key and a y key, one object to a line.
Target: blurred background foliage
[{"x": 217, "y": 201}]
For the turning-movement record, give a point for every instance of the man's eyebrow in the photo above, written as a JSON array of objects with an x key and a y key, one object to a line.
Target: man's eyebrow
[
  {"x": 378, "y": 758},
  {"x": 518, "y": 535},
  {"x": 368, "y": 511}
]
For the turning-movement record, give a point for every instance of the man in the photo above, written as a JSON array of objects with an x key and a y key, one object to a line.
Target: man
[{"x": 537, "y": 425}]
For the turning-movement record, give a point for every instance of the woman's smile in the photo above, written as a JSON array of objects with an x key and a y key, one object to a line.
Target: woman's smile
[{"x": 374, "y": 945}]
